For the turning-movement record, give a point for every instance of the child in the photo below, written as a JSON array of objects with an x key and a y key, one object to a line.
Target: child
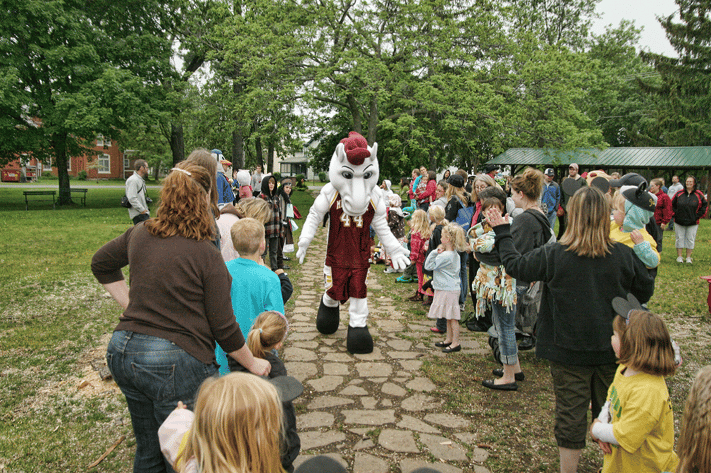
[
  {"x": 274, "y": 229},
  {"x": 694, "y": 446},
  {"x": 635, "y": 428},
  {"x": 419, "y": 237},
  {"x": 243, "y": 179},
  {"x": 436, "y": 216},
  {"x": 444, "y": 264},
  {"x": 235, "y": 427},
  {"x": 632, "y": 208},
  {"x": 491, "y": 284},
  {"x": 266, "y": 337},
  {"x": 254, "y": 287}
]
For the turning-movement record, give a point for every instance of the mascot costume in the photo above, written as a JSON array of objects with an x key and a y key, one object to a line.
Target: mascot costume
[{"x": 354, "y": 203}]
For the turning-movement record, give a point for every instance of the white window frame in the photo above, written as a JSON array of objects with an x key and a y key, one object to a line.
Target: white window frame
[
  {"x": 102, "y": 142},
  {"x": 99, "y": 168}
]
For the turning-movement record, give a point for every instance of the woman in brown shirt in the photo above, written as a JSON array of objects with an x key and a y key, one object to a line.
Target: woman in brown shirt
[{"x": 177, "y": 307}]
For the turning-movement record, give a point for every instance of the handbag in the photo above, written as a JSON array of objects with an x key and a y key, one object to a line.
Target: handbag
[
  {"x": 125, "y": 202},
  {"x": 288, "y": 248},
  {"x": 294, "y": 226},
  {"x": 289, "y": 210}
]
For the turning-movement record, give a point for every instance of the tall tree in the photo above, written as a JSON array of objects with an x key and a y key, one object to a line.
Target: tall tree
[
  {"x": 61, "y": 83},
  {"x": 684, "y": 114}
]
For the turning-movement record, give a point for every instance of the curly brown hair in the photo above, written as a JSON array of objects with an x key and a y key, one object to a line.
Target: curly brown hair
[{"x": 183, "y": 206}]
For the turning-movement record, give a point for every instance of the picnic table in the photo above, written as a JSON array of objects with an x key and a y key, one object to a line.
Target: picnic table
[
  {"x": 81, "y": 191},
  {"x": 41, "y": 196}
]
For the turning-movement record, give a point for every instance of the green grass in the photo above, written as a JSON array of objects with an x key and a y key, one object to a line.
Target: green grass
[{"x": 53, "y": 315}]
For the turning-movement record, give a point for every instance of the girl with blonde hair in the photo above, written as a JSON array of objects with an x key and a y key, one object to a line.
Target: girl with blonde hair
[
  {"x": 581, "y": 274},
  {"x": 420, "y": 233},
  {"x": 694, "y": 445},
  {"x": 235, "y": 428},
  {"x": 444, "y": 264}
]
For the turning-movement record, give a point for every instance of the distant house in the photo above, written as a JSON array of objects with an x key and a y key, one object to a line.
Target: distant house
[
  {"x": 105, "y": 162},
  {"x": 298, "y": 163}
]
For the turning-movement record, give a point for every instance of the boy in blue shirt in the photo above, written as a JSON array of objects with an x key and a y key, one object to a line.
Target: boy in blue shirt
[{"x": 255, "y": 288}]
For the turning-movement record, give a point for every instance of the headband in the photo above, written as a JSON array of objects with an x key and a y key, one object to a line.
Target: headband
[{"x": 182, "y": 170}]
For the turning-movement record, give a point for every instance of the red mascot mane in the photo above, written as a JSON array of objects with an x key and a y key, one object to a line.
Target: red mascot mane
[{"x": 356, "y": 148}]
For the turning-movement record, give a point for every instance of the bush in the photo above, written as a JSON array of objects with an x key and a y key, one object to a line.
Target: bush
[
  {"x": 300, "y": 181},
  {"x": 81, "y": 175},
  {"x": 48, "y": 175},
  {"x": 277, "y": 176},
  {"x": 322, "y": 176}
]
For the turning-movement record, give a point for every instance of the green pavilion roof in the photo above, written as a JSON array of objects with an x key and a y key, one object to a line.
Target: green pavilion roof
[{"x": 672, "y": 157}]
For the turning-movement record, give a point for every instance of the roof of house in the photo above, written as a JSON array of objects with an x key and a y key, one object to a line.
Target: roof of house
[{"x": 671, "y": 157}]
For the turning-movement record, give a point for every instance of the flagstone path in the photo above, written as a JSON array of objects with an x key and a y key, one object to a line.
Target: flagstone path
[{"x": 374, "y": 413}]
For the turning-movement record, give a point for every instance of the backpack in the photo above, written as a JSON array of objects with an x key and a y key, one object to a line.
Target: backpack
[{"x": 464, "y": 215}]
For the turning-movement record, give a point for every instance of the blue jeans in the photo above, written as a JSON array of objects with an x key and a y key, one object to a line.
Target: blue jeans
[
  {"x": 154, "y": 374},
  {"x": 463, "y": 279},
  {"x": 505, "y": 323}
]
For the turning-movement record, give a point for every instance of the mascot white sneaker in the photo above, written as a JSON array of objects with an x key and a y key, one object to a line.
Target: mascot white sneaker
[{"x": 354, "y": 204}]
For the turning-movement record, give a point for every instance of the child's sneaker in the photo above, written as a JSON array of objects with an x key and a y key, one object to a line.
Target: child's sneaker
[
  {"x": 404, "y": 279},
  {"x": 688, "y": 260},
  {"x": 680, "y": 259},
  {"x": 390, "y": 270}
]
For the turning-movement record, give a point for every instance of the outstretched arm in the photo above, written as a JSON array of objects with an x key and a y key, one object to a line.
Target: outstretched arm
[
  {"x": 316, "y": 213},
  {"x": 398, "y": 254}
]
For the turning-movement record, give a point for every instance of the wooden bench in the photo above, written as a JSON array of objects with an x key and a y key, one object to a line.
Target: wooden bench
[
  {"x": 40, "y": 194},
  {"x": 82, "y": 197}
]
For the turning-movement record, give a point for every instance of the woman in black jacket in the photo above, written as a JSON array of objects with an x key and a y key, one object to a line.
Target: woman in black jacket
[
  {"x": 581, "y": 274},
  {"x": 689, "y": 206}
]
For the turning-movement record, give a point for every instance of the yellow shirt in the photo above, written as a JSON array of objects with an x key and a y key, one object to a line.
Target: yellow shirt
[
  {"x": 649, "y": 255},
  {"x": 643, "y": 424}
]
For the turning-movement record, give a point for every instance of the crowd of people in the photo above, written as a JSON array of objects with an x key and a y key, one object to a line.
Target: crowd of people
[{"x": 192, "y": 332}]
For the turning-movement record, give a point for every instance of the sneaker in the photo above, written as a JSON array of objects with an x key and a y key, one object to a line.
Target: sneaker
[
  {"x": 405, "y": 279},
  {"x": 680, "y": 259},
  {"x": 461, "y": 307},
  {"x": 688, "y": 260},
  {"x": 390, "y": 270}
]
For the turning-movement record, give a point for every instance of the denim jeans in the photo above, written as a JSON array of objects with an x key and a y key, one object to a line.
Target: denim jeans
[
  {"x": 505, "y": 323},
  {"x": 154, "y": 374},
  {"x": 463, "y": 279}
]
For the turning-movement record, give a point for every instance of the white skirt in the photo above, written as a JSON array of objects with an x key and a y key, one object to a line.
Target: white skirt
[{"x": 445, "y": 305}]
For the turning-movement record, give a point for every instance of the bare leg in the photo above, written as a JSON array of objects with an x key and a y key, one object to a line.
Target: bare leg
[
  {"x": 449, "y": 334},
  {"x": 509, "y": 374},
  {"x": 679, "y": 252},
  {"x": 569, "y": 459},
  {"x": 453, "y": 329},
  {"x": 688, "y": 252}
]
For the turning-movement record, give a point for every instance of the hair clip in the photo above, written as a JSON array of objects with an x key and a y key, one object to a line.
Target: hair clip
[
  {"x": 182, "y": 170},
  {"x": 260, "y": 330}
]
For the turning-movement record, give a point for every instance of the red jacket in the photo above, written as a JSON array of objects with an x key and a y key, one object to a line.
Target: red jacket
[
  {"x": 663, "y": 213},
  {"x": 429, "y": 193},
  {"x": 417, "y": 248}
]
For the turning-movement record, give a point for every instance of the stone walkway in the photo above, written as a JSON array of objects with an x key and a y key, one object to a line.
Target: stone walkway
[{"x": 374, "y": 413}]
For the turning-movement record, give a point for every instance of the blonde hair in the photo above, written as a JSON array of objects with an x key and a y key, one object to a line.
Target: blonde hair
[
  {"x": 420, "y": 223},
  {"x": 238, "y": 421},
  {"x": 456, "y": 236},
  {"x": 618, "y": 202},
  {"x": 588, "y": 230},
  {"x": 457, "y": 191},
  {"x": 436, "y": 213},
  {"x": 645, "y": 344},
  {"x": 694, "y": 445},
  {"x": 203, "y": 157},
  {"x": 183, "y": 208},
  {"x": 530, "y": 183},
  {"x": 268, "y": 330},
  {"x": 247, "y": 235},
  {"x": 255, "y": 208}
]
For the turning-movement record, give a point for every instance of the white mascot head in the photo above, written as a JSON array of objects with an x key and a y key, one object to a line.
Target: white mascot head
[
  {"x": 354, "y": 173},
  {"x": 243, "y": 177}
]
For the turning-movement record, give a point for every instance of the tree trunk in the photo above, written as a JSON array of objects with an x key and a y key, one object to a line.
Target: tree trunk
[
  {"x": 237, "y": 150},
  {"x": 355, "y": 114},
  {"x": 177, "y": 145},
  {"x": 59, "y": 144},
  {"x": 372, "y": 121},
  {"x": 260, "y": 156},
  {"x": 270, "y": 156}
]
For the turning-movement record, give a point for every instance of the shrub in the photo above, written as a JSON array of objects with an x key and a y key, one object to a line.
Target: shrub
[
  {"x": 300, "y": 181},
  {"x": 322, "y": 176},
  {"x": 277, "y": 176},
  {"x": 48, "y": 175},
  {"x": 81, "y": 175}
]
